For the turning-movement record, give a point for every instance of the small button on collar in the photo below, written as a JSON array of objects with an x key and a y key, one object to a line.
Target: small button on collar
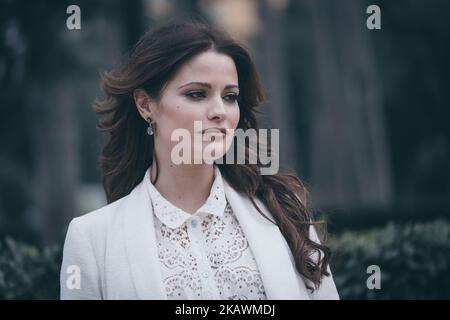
[{"x": 194, "y": 222}]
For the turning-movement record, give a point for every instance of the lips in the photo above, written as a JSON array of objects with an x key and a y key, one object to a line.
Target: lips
[{"x": 215, "y": 131}]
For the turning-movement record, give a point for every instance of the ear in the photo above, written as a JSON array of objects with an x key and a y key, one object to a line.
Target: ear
[{"x": 145, "y": 105}]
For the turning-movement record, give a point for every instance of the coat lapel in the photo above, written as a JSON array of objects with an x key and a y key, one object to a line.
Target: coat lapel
[
  {"x": 141, "y": 245},
  {"x": 270, "y": 249}
]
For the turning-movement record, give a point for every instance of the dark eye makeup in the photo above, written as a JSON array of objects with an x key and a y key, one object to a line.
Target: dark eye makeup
[{"x": 197, "y": 95}]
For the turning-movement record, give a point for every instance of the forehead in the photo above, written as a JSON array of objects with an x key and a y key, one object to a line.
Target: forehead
[{"x": 208, "y": 66}]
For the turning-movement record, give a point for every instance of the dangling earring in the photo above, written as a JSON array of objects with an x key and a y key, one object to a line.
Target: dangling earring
[{"x": 150, "y": 129}]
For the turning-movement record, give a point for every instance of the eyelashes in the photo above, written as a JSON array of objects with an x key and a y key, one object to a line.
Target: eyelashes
[
  {"x": 199, "y": 95},
  {"x": 195, "y": 95}
]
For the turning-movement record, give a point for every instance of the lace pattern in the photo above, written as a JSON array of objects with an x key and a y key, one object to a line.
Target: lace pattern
[
  {"x": 219, "y": 267},
  {"x": 205, "y": 255}
]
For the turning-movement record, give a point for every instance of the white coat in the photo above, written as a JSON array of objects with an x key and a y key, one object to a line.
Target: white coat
[{"x": 111, "y": 253}]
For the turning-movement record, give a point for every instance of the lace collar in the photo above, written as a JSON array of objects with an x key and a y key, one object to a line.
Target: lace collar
[{"x": 173, "y": 216}]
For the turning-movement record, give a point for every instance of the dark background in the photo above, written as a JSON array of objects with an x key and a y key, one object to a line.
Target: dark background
[{"x": 363, "y": 117}]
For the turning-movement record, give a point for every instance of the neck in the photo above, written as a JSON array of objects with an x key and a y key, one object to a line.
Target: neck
[{"x": 185, "y": 186}]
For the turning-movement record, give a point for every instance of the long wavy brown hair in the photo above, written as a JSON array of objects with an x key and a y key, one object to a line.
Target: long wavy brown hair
[{"x": 149, "y": 65}]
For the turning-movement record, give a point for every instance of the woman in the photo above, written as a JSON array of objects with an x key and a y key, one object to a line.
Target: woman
[{"x": 190, "y": 229}]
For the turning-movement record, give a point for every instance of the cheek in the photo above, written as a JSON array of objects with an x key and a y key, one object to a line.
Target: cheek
[
  {"x": 180, "y": 114},
  {"x": 187, "y": 116},
  {"x": 234, "y": 116}
]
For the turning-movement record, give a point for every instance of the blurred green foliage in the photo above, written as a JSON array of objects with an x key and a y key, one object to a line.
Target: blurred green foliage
[
  {"x": 28, "y": 272},
  {"x": 414, "y": 260}
]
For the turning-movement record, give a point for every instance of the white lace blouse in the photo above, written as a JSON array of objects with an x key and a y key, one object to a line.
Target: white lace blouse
[{"x": 205, "y": 255}]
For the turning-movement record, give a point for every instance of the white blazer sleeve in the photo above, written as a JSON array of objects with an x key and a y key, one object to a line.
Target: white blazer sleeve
[
  {"x": 327, "y": 289},
  {"x": 79, "y": 276}
]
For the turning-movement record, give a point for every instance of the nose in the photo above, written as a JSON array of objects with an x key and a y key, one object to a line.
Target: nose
[{"x": 216, "y": 110}]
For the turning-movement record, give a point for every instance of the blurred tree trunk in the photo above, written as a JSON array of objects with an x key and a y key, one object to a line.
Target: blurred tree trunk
[
  {"x": 184, "y": 7},
  {"x": 133, "y": 21},
  {"x": 53, "y": 103},
  {"x": 271, "y": 56},
  {"x": 49, "y": 99},
  {"x": 56, "y": 151},
  {"x": 350, "y": 158}
]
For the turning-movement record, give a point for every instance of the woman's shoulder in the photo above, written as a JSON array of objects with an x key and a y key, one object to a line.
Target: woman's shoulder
[{"x": 96, "y": 221}]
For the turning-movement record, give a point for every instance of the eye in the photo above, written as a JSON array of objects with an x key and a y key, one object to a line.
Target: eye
[
  {"x": 232, "y": 97},
  {"x": 196, "y": 95}
]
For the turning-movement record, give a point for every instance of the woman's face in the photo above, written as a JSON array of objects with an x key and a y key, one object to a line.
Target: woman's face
[{"x": 203, "y": 92}]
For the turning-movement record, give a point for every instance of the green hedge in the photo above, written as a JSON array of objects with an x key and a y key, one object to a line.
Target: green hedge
[
  {"x": 27, "y": 272},
  {"x": 414, "y": 260}
]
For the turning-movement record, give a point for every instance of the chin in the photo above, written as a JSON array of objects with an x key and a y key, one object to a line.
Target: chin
[{"x": 213, "y": 151}]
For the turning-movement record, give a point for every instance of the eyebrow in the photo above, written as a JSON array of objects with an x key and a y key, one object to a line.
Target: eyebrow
[{"x": 207, "y": 85}]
